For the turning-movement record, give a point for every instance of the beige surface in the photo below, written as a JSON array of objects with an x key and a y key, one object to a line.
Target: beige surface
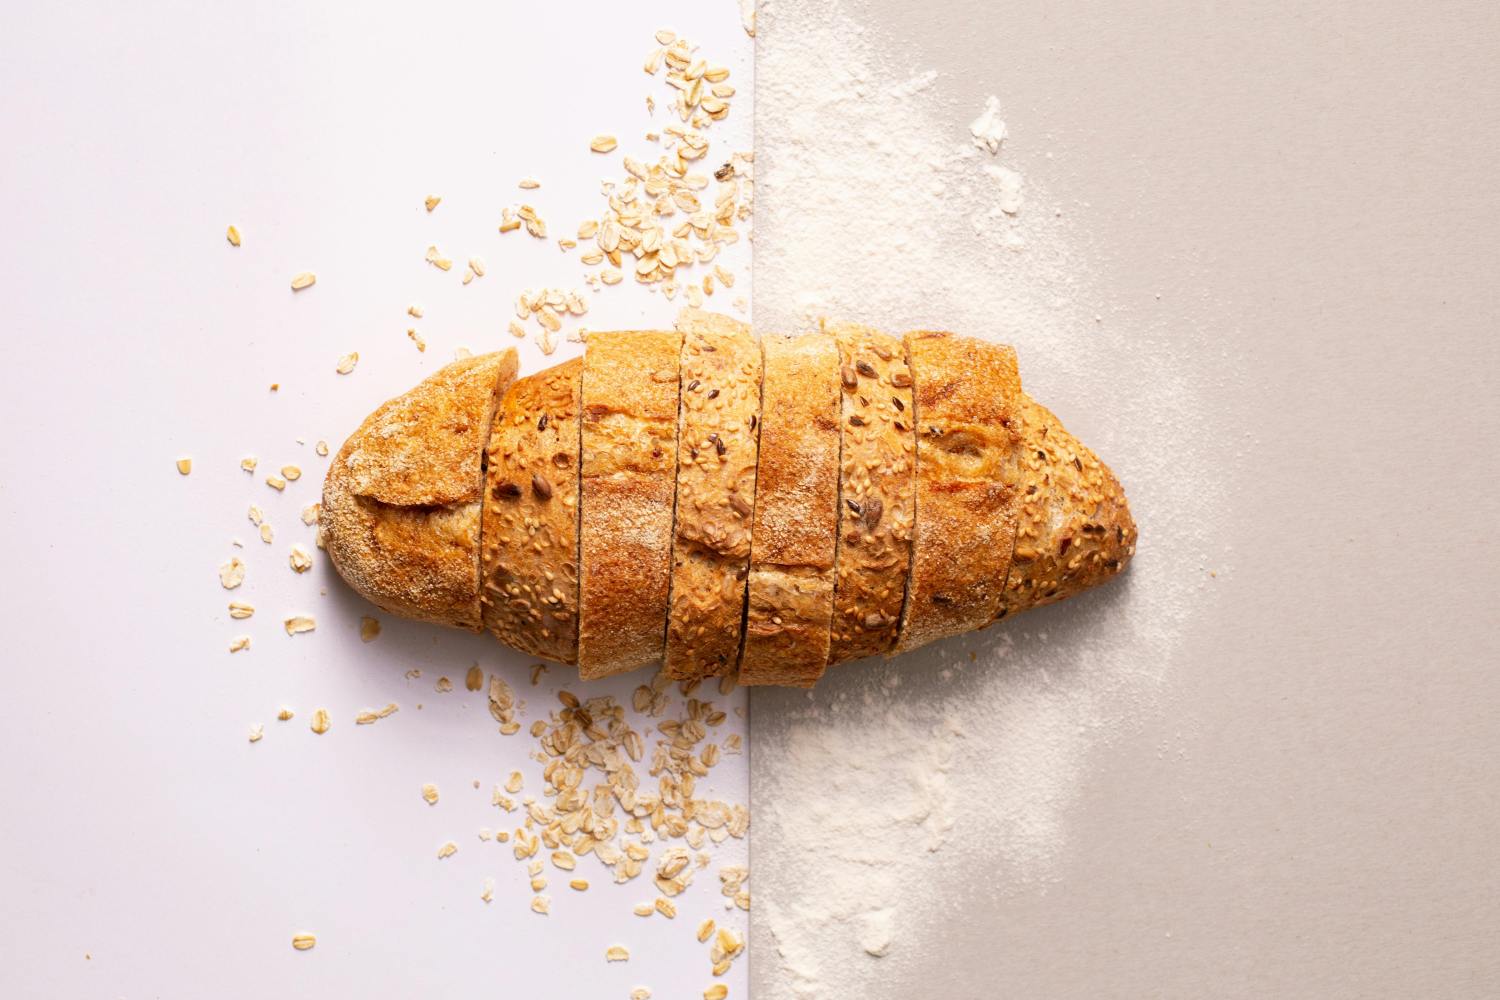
[{"x": 1310, "y": 807}]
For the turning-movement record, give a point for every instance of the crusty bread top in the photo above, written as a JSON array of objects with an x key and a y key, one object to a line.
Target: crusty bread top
[
  {"x": 1073, "y": 526},
  {"x": 423, "y": 447},
  {"x": 530, "y": 527},
  {"x": 412, "y": 551},
  {"x": 797, "y": 485},
  {"x": 716, "y": 456},
  {"x": 790, "y": 600},
  {"x": 630, "y": 388},
  {"x": 877, "y": 491},
  {"x": 967, "y": 392}
]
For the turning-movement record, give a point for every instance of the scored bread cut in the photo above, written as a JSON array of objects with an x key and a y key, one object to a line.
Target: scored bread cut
[
  {"x": 402, "y": 498},
  {"x": 790, "y": 599},
  {"x": 967, "y": 393},
  {"x": 629, "y": 443},
  {"x": 719, "y": 408},
  {"x": 1073, "y": 526},
  {"x": 529, "y": 534},
  {"x": 877, "y": 491}
]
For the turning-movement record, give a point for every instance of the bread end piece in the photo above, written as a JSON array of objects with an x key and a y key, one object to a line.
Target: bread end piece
[
  {"x": 1073, "y": 525},
  {"x": 401, "y": 502}
]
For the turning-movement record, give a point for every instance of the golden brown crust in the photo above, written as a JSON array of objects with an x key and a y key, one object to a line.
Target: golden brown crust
[
  {"x": 716, "y": 458},
  {"x": 530, "y": 527},
  {"x": 629, "y": 432},
  {"x": 422, "y": 448},
  {"x": 1073, "y": 525},
  {"x": 407, "y": 547},
  {"x": 796, "y": 514},
  {"x": 877, "y": 492},
  {"x": 967, "y": 395}
]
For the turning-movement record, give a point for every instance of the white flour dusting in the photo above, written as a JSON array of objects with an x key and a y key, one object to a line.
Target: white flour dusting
[{"x": 897, "y": 789}]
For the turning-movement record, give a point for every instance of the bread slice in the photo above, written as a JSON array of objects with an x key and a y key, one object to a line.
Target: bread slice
[
  {"x": 1073, "y": 526},
  {"x": 968, "y": 395},
  {"x": 629, "y": 442},
  {"x": 795, "y": 528},
  {"x": 529, "y": 533},
  {"x": 716, "y": 457},
  {"x": 877, "y": 467},
  {"x": 401, "y": 502}
]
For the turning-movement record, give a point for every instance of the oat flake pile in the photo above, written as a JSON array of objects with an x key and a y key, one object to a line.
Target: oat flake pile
[{"x": 897, "y": 791}]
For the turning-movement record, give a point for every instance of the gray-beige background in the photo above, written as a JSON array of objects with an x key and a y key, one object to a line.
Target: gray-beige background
[{"x": 1308, "y": 804}]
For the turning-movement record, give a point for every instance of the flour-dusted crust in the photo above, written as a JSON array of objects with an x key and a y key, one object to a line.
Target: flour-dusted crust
[
  {"x": 1073, "y": 526},
  {"x": 629, "y": 433},
  {"x": 529, "y": 534},
  {"x": 877, "y": 491},
  {"x": 796, "y": 514},
  {"x": 401, "y": 502},
  {"x": 967, "y": 396},
  {"x": 716, "y": 459}
]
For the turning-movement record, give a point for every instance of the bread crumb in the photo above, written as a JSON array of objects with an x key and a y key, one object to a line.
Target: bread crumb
[{"x": 369, "y": 628}]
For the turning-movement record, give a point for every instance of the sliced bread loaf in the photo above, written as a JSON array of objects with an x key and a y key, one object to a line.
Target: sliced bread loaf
[
  {"x": 716, "y": 458},
  {"x": 529, "y": 533},
  {"x": 795, "y": 526},
  {"x": 629, "y": 442}
]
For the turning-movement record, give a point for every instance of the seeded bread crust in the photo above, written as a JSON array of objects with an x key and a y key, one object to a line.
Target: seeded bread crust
[
  {"x": 401, "y": 502},
  {"x": 1073, "y": 526},
  {"x": 877, "y": 491},
  {"x": 716, "y": 486},
  {"x": 967, "y": 397},
  {"x": 629, "y": 435},
  {"x": 530, "y": 527},
  {"x": 795, "y": 528}
]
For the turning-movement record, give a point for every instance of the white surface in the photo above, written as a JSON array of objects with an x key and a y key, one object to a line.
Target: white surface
[{"x": 146, "y": 848}]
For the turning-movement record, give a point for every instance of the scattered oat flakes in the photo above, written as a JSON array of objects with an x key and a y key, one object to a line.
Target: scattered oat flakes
[
  {"x": 303, "y": 942},
  {"x": 416, "y": 338},
  {"x": 414, "y": 310},
  {"x": 437, "y": 260},
  {"x": 257, "y": 733},
  {"x": 489, "y": 890},
  {"x": 369, "y": 718},
  {"x": 347, "y": 362},
  {"x": 276, "y": 483},
  {"x": 238, "y": 643},
  {"x": 537, "y": 670},
  {"x": 430, "y": 794},
  {"x": 321, "y": 448},
  {"x": 240, "y": 610},
  {"x": 184, "y": 465},
  {"x": 285, "y": 715},
  {"x": 232, "y": 234},
  {"x": 579, "y": 884},
  {"x": 292, "y": 473},
  {"x": 541, "y": 904},
  {"x": 617, "y": 953},
  {"x": 266, "y": 532},
  {"x": 444, "y": 685},
  {"x": 232, "y": 573},
  {"x": 474, "y": 679},
  {"x": 311, "y": 513},
  {"x": 530, "y": 184},
  {"x": 320, "y": 721},
  {"x": 432, "y": 201},
  {"x": 249, "y": 462},
  {"x": 666, "y": 907},
  {"x": 640, "y": 993},
  {"x": 447, "y": 850},
  {"x": 603, "y": 143},
  {"x": 304, "y": 280},
  {"x": 369, "y": 628},
  {"x": 513, "y": 785},
  {"x": 300, "y": 559},
  {"x": 718, "y": 991},
  {"x": 705, "y": 930},
  {"x": 299, "y": 623}
]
